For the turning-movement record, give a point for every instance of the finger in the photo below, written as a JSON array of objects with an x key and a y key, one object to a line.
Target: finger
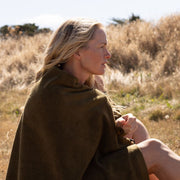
[
  {"x": 131, "y": 124},
  {"x": 120, "y": 122},
  {"x": 127, "y": 116},
  {"x": 132, "y": 128},
  {"x": 131, "y": 120}
]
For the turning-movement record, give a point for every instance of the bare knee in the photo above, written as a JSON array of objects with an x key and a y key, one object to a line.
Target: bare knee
[
  {"x": 159, "y": 149},
  {"x": 159, "y": 159},
  {"x": 155, "y": 146},
  {"x": 152, "y": 151}
]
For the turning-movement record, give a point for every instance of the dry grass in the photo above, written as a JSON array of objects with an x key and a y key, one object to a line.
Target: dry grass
[
  {"x": 11, "y": 106},
  {"x": 20, "y": 59},
  {"x": 143, "y": 78},
  {"x": 145, "y": 46}
]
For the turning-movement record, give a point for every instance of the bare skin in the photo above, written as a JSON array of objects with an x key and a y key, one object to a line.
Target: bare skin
[{"x": 160, "y": 160}]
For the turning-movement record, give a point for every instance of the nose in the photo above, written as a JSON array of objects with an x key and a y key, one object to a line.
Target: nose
[{"x": 108, "y": 54}]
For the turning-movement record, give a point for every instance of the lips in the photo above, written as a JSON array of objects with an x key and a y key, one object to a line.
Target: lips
[{"x": 104, "y": 62}]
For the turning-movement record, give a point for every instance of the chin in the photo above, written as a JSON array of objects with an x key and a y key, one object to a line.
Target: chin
[{"x": 100, "y": 72}]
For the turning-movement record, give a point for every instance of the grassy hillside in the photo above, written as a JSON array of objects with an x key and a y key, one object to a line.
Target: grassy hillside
[{"x": 143, "y": 77}]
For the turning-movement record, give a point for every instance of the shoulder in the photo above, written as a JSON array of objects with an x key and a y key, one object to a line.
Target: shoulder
[
  {"x": 100, "y": 96},
  {"x": 102, "y": 101}
]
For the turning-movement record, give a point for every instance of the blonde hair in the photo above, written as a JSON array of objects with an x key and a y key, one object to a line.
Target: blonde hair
[{"x": 68, "y": 38}]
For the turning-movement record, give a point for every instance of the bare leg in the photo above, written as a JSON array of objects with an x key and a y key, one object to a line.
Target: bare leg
[
  {"x": 141, "y": 134},
  {"x": 160, "y": 160}
]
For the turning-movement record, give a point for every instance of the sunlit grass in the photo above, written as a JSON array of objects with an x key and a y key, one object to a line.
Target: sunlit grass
[
  {"x": 160, "y": 116},
  {"x": 11, "y": 107}
]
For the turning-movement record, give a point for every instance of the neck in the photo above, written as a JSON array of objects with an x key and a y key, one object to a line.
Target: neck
[{"x": 73, "y": 68}]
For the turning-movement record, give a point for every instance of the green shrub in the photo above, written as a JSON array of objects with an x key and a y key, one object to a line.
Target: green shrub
[
  {"x": 28, "y": 29},
  {"x": 156, "y": 115},
  {"x": 18, "y": 30},
  {"x": 4, "y": 30}
]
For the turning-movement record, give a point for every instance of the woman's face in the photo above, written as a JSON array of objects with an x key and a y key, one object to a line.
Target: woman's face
[{"x": 94, "y": 57}]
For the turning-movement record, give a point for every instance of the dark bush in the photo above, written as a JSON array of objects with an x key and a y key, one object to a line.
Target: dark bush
[
  {"x": 28, "y": 29},
  {"x": 18, "y": 30},
  {"x": 156, "y": 115},
  {"x": 4, "y": 30}
]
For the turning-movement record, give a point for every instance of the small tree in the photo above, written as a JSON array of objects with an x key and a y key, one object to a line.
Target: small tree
[
  {"x": 4, "y": 30},
  {"x": 25, "y": 29},
  {"x": 44, "y": 30},
  {"x": 125, "y": 21},
  {"x": 118, "y": 21},
  {"x": 28, "y": 29},
  {"x": 133, "y": 18}
]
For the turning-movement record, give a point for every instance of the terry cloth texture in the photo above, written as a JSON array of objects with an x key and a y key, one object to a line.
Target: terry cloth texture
[{"x": 67, "y": 132}]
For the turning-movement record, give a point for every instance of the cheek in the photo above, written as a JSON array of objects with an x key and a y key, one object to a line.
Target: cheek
[{"x": 98, "y": 55}]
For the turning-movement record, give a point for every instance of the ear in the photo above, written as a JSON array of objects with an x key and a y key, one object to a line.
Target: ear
[{"x": 77, "y": 55}]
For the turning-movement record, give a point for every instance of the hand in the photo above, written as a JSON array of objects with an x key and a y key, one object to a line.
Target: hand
[{"x": 128, "y": 123}]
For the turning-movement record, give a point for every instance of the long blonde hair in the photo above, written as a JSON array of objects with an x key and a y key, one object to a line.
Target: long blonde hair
[{"x": 68, "y": 39}]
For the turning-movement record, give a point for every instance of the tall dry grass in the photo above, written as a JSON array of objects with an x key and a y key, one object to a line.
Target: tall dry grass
[
  {"x": 20, "y": 58},
  {"x": 142, "y": 52},
  {"x": 145, "y": 46},
  {"x": 147, "y": 54}
]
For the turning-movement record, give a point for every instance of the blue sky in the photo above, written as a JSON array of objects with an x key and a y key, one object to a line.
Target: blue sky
[{"x": 53, "y": 12}]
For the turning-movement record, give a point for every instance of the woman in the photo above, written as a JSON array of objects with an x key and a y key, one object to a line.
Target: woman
[{"x": 67, "y": 130}]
